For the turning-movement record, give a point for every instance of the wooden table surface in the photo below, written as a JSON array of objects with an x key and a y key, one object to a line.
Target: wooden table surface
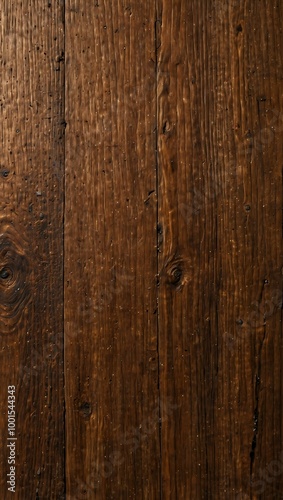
[{"x": 141, "y": 249}]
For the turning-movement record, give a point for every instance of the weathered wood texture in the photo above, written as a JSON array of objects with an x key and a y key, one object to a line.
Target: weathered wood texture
[
  {"x": 165, "y": 235},
  {"x": 31, "y": 244},
  {"x": 111, "y": 360},
  {"x": 220, "y": 127}
]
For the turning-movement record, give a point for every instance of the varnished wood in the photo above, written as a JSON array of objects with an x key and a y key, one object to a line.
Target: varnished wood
[{"x": 31, "y": 244}]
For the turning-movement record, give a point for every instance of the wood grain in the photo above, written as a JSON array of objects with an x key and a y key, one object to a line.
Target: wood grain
[
  {"x": 31, "y": 244},
  {"x": 111, "y": 361},
  {"x": 220, "y": 198},
  {"x": 141, "y": 248}
]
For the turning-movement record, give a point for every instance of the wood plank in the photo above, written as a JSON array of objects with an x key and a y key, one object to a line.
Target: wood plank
[
  {"x": 31, "y": 244},
  {"x": 220, "y": 198},
  {"x": 112, "y": 410}
]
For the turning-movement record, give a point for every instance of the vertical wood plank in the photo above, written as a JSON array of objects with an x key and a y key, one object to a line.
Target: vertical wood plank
[
  {"x": 31, "y": 244},
  {"x": 112, "y": 410},
  {"x": 220, "y": 198}
]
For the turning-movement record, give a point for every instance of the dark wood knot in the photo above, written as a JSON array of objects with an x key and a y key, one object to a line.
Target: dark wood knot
[
  {"x": 5, "y": 273},
  {"x": 85, "y": 409},
  {"x": 15, "y": 271},
  {"x": 176, "y": 276},
  {"x": 175, "y": 271}
]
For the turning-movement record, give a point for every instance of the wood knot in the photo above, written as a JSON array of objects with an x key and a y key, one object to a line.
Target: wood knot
[
  {"x": 15, "y": 271},
  {"x": 5, "y": 173},
  {"x": 85, "y": 409},
  {"x": 175, "y": 272},
  {"x": 5, "y": 273},
  {"x": 176, "y": 275}
]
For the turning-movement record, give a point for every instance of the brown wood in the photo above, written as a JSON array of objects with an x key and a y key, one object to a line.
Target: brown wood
[
  {"x": 31, "y": 244},
  {"x": 111, "y": 356},
  {"x": 141, "y": 248},
  {"x": 220, "y": 200}
]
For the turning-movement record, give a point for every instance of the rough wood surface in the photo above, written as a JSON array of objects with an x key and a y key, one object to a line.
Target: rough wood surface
[
  {"x": 31, "y": 244},
  {"x": 141, "y": 248},
  {"x": 111, "y": 362},
  {"x": 220, "y": 199}
]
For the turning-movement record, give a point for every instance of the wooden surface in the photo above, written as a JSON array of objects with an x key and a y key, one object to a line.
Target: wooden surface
[
  {"x": 111, "y": 358},
  {"x": 31, "y": 245},
  {"x": 220, "y": 200},
  {"x": 141, "y": 248}
]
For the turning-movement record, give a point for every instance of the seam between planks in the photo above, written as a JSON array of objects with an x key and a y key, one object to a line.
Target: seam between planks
[
  {"x": 64, "y": 219},
  {"x": 157, "y": 22}
]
